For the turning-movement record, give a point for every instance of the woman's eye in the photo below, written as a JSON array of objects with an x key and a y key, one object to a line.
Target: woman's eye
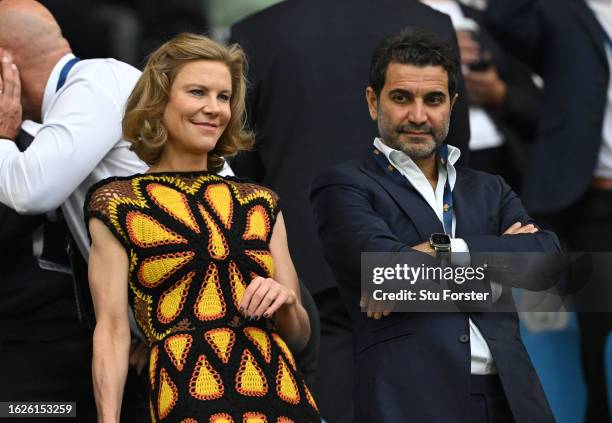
[
  {"x": 196, "y": 92},
  {"x": 224, "y": 97}
]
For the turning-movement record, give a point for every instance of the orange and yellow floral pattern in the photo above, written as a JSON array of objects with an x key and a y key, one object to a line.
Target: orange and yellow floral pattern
[{"x": 195, "y": 241}]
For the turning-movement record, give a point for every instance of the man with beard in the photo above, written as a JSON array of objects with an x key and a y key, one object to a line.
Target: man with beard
[
  {"x": 407, "y": 196},
  {"x": 307, "y": 57}
]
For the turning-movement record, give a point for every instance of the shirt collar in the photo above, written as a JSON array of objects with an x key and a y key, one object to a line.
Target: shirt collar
[
  {"x": 52, "y": 82},
  {"x": 434, "y": 196},
  {"x": 399, "y": 158}
]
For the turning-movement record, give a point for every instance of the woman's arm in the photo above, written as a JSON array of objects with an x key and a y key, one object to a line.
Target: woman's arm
[
  {"x": 108, "y": 272},
  {"x": 281, "y": 295}
]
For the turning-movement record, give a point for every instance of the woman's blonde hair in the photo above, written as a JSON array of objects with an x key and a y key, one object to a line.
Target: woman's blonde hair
[{"x": 142, "y": 122}]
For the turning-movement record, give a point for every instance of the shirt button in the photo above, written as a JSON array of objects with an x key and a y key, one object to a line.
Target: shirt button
[
  {"x": 464, "y": 339},
  {"x": 390, "y": 168}
]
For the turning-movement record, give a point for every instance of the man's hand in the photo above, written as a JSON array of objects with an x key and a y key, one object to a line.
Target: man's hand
[
  {"x": 378, "y": 309},
  {"x": 10, "y": 98},
  {"x": 486, "y": 88},
  {"x": 518, "y": 228},
  {"x": 469, "y": 49},
  {"x": 425, "y": 247},
  {"x": 375, "y": 309}
]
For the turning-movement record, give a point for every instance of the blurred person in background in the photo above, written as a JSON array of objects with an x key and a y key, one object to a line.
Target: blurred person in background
[
  {"x": 308, "y": 66},
  {"x": 78, "y": 105},
  {"x": 568, "y": 179},
  {"x": 504, "y": 100}
]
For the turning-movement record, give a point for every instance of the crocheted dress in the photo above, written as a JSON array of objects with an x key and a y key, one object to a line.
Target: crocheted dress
[{"x": 195, "y": 241}]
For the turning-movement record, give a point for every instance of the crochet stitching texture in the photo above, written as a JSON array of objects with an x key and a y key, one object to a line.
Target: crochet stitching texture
[{"x": 195, "y": 241}]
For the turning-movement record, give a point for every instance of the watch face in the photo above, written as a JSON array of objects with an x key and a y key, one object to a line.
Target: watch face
[{"x": 440, "y": 239}]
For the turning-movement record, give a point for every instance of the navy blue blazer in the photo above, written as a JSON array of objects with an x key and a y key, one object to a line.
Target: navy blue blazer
[
  {"x": 416, "y": 366},
  {"x": 564, "y": 43}
]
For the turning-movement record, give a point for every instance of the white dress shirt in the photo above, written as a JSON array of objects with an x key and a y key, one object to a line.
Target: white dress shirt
[
  {"x": 602, "y": 9},
  {"x": 79, "y": 143},
  {"x": 481, "y": 358}
]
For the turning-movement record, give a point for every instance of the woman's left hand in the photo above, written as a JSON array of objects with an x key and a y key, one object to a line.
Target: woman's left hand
[{"x": 264, "y": 296}]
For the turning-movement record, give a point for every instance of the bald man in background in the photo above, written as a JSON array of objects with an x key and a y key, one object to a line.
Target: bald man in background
[{"x": 78, "y": 105}]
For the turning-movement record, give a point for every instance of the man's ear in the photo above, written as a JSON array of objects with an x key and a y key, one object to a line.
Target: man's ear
[
  {"x": 453, "y": 101},
  {"x": 372, "y": 103}
]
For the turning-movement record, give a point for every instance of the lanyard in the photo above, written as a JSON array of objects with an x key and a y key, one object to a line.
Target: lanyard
[
  {"x": 447, "y": 211},
  {"x": 448, "y": 193},
  {"x": 64, "y": 72}
]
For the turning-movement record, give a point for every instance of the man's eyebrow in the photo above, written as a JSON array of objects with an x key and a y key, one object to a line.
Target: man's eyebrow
[
  {"x": 435, "y": 93},
  {"x": 400, "y": 91}
]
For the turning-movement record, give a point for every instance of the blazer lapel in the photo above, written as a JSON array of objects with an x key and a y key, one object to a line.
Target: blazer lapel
[
  {"x": 407, "y": 198},
  {"x": 591, "y": 25}
]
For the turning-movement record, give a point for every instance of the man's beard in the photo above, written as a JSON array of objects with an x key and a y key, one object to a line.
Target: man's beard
[{"x": 413, "y": 150}]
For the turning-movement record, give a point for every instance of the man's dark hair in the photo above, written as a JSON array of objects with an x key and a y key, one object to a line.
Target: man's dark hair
[{"x": 415, "y": 47}]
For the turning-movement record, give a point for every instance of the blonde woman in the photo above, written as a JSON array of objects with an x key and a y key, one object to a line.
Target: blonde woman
[{"x": 202, "y": 259}]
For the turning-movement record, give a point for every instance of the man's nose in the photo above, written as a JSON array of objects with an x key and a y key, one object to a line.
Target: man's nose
[{"x": 417, "y": 114}]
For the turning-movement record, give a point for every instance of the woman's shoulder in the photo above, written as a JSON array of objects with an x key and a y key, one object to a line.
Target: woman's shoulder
[
  {"x": 248, "y": 189},
  {"x": 101, "y": 194}
]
